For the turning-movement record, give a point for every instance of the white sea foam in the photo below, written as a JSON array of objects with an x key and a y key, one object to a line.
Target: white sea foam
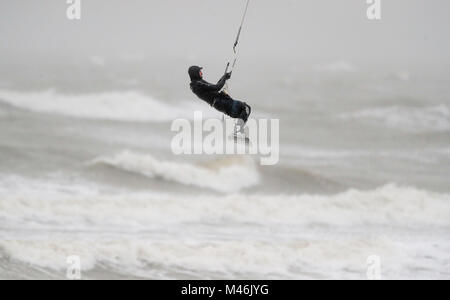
[
  {"x": 81, "y": 206},
  {"x": 214, "y": 259},
  {"x": 271, "y": 236}
]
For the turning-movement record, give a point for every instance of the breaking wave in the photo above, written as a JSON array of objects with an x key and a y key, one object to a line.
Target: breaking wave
[
  {"x": 224, "y": 175},
  {"x": 116, "y": 106},
  {"x": 415, "y": 119},
  {"x": 46, "y": 203}
]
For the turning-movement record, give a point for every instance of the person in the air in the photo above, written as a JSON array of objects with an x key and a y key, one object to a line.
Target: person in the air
[{"x": 218, "y": 99}]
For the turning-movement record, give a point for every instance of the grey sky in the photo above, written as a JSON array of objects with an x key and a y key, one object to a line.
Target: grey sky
[{"x": 165, "y": 29}]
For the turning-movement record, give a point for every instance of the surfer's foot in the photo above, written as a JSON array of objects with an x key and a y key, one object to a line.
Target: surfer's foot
[
  {"x": 239, "y": 127},
  {"x": 239, "y": 130}
]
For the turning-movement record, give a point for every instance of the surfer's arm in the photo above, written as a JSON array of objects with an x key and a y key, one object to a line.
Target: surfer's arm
[{"x": 214, "y": 87}]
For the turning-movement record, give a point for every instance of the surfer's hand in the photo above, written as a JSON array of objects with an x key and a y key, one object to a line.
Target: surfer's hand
[{"x": 227, "y": 76}]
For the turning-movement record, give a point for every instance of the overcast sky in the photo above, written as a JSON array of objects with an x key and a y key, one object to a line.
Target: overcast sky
[{"x": 291, "y": 29}]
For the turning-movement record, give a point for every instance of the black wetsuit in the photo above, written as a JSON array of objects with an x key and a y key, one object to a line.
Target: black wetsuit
[{"x": 211, "y": 94}]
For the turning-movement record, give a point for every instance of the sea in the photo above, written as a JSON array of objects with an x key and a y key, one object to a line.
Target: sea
[{"x": 87, "y": 171}]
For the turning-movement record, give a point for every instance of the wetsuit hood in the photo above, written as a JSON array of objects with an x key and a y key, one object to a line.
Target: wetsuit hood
[{"x": 194, "y": 73}]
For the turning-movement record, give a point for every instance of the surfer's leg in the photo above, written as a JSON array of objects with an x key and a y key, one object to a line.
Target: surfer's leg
[
  {"x": 241, "y": 112},
  {"x": 246, "y": 112},
  {"x": 239, "y": 127}
]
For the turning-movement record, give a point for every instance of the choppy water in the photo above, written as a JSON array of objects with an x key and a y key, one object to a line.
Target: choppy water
[{"x": 364, "y": 170}]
